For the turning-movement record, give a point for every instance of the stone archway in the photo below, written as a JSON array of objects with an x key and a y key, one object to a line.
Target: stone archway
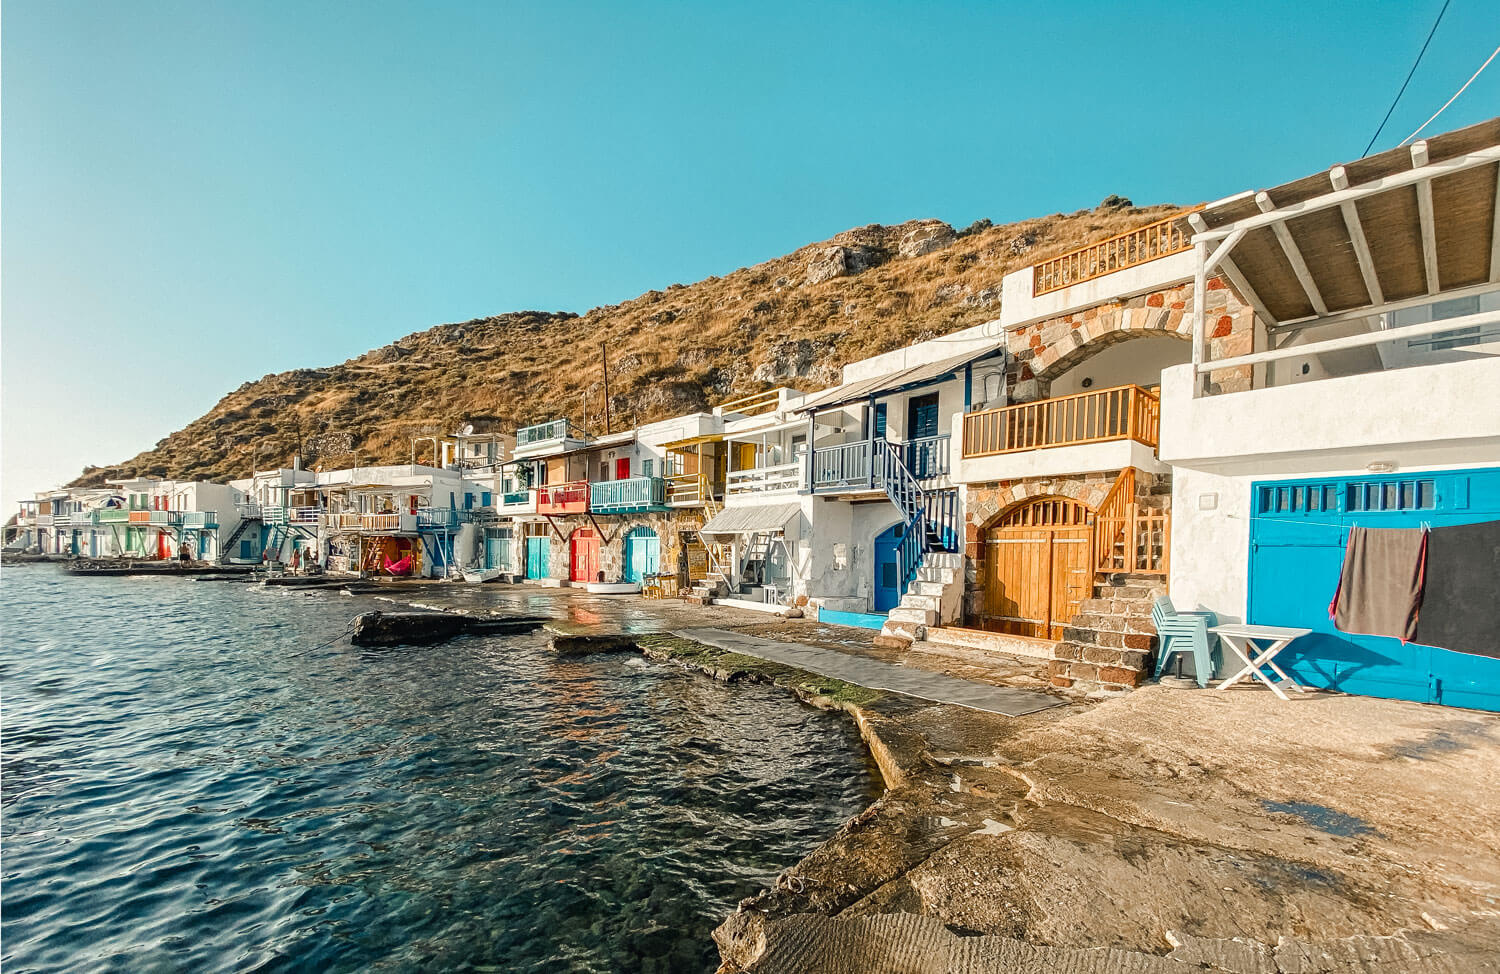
[{"x": 1043, "y": 350}]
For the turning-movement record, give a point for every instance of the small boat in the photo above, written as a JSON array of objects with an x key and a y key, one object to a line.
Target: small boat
[{"x": 476, "y": 576}]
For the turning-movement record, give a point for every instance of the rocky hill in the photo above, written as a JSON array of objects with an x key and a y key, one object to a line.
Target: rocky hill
[{"x": 793, "y": 320}]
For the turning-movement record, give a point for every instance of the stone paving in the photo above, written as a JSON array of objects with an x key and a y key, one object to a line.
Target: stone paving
[{"x": 877, "y": 675}]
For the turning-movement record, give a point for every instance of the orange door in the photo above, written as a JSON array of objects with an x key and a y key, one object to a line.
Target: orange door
[
  {"x": 584, "y": 551},
  {"x": 1038, "y": 568}
]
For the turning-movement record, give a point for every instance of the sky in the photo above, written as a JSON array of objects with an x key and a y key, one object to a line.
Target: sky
[{"x": 196, "y": 194}]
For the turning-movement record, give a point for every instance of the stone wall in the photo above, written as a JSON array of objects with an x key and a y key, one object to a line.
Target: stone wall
[
  {"x": 1044, "y": 350},
  {"x": 668, "y": 526}
]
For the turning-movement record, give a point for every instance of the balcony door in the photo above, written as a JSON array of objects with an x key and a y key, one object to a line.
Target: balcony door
[
  {"x": 922, "y": 416},
  {"x": 1037, "y": 568}
]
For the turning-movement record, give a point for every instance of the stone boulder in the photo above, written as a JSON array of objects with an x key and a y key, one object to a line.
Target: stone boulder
[{"x": 925, "y": 237}]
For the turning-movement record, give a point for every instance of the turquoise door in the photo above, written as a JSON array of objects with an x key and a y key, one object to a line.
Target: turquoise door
[
  {"x": 642, "y": 554},
  {"x": 497, "y": 550},
  {"x": 1298, "y": 533},
  {"x": 538, "y": 554},
  {"x": 887, "y": 568}
]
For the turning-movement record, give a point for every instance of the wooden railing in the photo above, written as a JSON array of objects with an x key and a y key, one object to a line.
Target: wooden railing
[
  {"x": 782, "y": 476},
  {"x": 761, "y": 402},
  {"x": 1124, "y": 412},
  {"x": 1160, "y": 239},
  {"x": 689, "y": 488},
  {"x": 1127, "y": 539}
]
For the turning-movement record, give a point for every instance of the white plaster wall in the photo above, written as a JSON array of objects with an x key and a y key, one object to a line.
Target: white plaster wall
[
  {"x": 1432, "y": 414},
  {"x": 1018, "y": 306},
  {"x": 1139, "y": 361},
  {"x": 1210, "y": 556},
  {"x": 974, "y": 339}
]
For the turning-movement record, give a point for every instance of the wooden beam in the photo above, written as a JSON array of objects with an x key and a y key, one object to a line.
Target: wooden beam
[
  {"x": 1340, "y": 179},
  {"x": 1495, "y": 232},
  {"x": 1221, "y": 253},
  {"x": 1293, "y": 256},
  {"x": 1377, "y": 337},
  {"x": 1231, "y": 270},
  {"x": 1424, "y": 213},
  {"x": 1479, "y": 157},
  {"x": 1200, "y": 331}
]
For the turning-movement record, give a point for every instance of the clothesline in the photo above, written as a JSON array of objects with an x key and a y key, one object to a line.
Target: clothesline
[{"x": 1424, "y": 525}]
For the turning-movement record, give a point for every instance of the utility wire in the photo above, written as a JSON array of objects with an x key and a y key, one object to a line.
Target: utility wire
[
  {"x": 1408, "y": 78},
  {"x": 1454, "y": 98}
]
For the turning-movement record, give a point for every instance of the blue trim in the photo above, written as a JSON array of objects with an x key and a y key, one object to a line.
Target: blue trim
[{"x": 859, "y": 620}]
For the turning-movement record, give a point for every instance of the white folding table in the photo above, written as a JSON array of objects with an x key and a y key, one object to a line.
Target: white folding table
[{"x": 1244, "y": 641}]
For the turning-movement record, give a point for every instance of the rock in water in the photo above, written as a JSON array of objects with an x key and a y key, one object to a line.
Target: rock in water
[{"x": 579, "y": 644}]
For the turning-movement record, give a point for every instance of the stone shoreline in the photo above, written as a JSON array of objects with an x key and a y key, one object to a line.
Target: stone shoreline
[{"x": 920, "y": 880}]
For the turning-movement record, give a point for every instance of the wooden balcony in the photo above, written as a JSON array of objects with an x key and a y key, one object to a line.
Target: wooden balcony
[
  {"x": 1121, "y": 413},
  {"x": 630, "y": 496},
  {"x": 691, "y": 490},
  {"x": 569, "y": 498},
  {"x": 1160, "y": 239},
  {"x": 761, "y": 402},
  {"x": 782, "y": 476}
]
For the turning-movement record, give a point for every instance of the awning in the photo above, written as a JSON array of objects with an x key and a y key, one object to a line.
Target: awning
[
  {"x": 752, "y": 519},
  {"x": 902, "y": 379},
  {"x": 693, "y": 441}
]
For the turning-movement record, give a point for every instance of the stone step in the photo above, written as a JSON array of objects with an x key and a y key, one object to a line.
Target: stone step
[
  {"x": 995, "y": 642},
  {"x": 923, "y": 587},
  {"x": 922, "y": 617},
  {"x": 943, "y": 559},
  {"x": 920, "y": 602}
]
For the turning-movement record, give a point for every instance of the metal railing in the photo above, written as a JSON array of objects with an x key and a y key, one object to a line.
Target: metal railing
[
  {"x": 518, "y": 500},
  {"x": 1124, "y": 412},
  {"x": 1160, "y": 239},
  {"x": 632, "y": 494},
  {"x": 200, "y": 519},
  {"x": 557, "y": 429},
  {"x": 568, "y": 498},
  {"x": 927, "y": 456},
  {"x": 782, "y": 476},
  {"x": 111, "y": 515},
  {"x": 439, "y": 517},
  {"x": 248, "y": 510}
]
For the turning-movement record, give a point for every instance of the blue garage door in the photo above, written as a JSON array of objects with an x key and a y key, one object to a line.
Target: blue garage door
[
  {"x": 538, "y": 554},
  {"x": 642, "y": 554},
  {"x": 1297, "y": 536}
]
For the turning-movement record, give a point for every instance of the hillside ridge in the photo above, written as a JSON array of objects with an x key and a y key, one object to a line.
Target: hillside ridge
[{"x": 792, "y": 320}]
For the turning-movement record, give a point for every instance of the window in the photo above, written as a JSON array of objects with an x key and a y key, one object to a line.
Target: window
[
  {"x": 880, "y": 421},
  {"x": 647, "y": 467},
  {"x": 1457, "y": 337}
]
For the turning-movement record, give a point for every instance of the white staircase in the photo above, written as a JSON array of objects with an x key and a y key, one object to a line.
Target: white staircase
[{"x": 935, "y": 596}]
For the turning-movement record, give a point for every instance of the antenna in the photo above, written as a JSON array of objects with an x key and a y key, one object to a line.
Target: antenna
[{"x": 468, "y": 430}]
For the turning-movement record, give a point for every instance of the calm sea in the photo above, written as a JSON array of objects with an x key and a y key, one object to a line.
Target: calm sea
[{"x": 195, "y": 779}]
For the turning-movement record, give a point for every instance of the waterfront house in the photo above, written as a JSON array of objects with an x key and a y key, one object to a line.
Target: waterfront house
[
  {"x": 1368, "y": 394},
  {"x": 390, "y": 520},
  {"x": 279, "y": 514}
]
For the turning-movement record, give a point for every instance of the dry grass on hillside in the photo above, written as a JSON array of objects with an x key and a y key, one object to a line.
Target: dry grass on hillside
[{"x": 671, "y": 351}]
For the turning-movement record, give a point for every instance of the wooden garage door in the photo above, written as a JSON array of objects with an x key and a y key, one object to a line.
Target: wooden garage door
[{"x": 1037, "y": 568}]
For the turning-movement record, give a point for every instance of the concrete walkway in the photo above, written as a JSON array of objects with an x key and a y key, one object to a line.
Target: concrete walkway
[{"x": 877, "y": 675}]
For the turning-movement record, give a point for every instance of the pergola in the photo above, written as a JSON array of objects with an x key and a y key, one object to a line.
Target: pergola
[{"x": 1407, "y": 227}]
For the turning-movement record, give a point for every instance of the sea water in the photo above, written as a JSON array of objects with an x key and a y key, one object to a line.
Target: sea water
[{"x": 202, "y": 776}]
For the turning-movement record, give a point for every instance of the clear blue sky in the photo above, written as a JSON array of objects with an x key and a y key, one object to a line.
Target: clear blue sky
[{"x": 199, "y": 193}]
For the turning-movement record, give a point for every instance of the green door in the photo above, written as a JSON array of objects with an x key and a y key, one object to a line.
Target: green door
[
  {"x": 538, "y": 554},
  {"x": 642, "y": 554}
]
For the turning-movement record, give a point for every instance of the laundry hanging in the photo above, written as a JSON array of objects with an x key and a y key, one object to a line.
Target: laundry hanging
[
  {"x": 1380, "y": 586},
  {"x": 1461, "y": 594}
]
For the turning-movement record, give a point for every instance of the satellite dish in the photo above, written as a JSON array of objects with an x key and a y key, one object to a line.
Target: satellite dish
[{"x": 467, "y": 430}]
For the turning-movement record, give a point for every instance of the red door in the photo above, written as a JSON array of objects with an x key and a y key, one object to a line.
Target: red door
[
  {"x": 622, "y": 469},
  {"x": 584, "y": 551}
]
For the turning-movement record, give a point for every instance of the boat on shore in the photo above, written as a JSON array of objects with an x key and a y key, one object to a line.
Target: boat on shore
[{"x": 478, "y": 576}]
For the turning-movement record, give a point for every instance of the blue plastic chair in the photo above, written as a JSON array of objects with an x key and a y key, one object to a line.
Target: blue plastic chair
[{"x": 1183, "y": 632}]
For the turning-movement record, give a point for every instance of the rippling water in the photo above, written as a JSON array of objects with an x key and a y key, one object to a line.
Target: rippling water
[{"x": 192, "y": 782}]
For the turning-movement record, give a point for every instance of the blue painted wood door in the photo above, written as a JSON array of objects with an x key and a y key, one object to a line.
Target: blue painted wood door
[
  {"x": 497, "y": 551},
  {"x": 887, "y": 568},
  {"x": 642, "y": 554},
  {"x": 538, "y": 554},
  {"x": 1297, "y": 537}
]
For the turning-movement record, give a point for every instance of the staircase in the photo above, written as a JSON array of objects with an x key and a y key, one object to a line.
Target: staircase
[
  {"x": 1112, "y": 639},
  {"x": 275, "y": 538},
  {"x": 934, "y": 596},
  {"x": 226, "y": 551}
]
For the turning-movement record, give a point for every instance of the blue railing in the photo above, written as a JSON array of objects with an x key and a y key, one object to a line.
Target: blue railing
[
  {"x": 439, "y": 517},
  {"x": 627, "y": 496},
  {"x": 843, "y": 467},
  {"x": 515, "y": 498},
  {"x": 927, "y": 456},
  {"x": 557, "y": 429},
  {"x": 940, "y": 508},
  {"x": 904, "y": 491}
]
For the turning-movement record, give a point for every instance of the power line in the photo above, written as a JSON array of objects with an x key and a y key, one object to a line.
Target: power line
[
  {"x": 1408, "y": 78},
  {"x": 1454, "y": 98}
]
